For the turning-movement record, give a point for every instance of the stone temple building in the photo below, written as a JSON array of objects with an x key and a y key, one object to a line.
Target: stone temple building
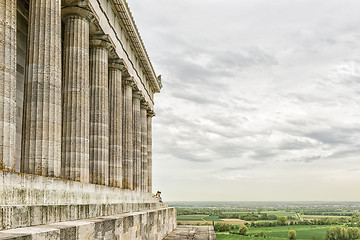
[{"x": 76, "y": 106}]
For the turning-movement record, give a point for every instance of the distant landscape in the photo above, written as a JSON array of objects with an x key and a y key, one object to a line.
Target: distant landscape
[{"x": 274, "y": 220}]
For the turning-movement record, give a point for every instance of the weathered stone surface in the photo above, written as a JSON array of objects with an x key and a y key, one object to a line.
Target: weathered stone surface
[
  {"x": 7, "y": 83},
  {"x": 31, "y": 199},
  {"x": 21, "y": 52},
  {"x": 149, "y": 149},
  {"x": 58, "y": 135},
  {"x": 128, "y": 135},
  {"x": 149, "y": 224},
  {"x": 31, "y": 215},
  {"x": 192, "y": 233},
  {"x": 27, "y": 189},
  {"x": 115, "y": 124},
  {"x": 144, "y": 160},
  {"x": 99, "y": 112},
  {"x": 76, "y": 108},
  {"x": 136, "y": 141},
  {"x": 42, "y": 116}
]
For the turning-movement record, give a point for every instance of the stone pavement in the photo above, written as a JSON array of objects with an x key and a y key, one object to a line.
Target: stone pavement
[{"x": 192, "y": 233}]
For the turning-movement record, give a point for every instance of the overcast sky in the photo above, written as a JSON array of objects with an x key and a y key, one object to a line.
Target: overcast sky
[{"x": 260, "y": 98}]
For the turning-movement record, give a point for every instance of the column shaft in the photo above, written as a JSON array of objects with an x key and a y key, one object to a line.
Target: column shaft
[
  {"x": 42, "y": 118},
  {"x": 127, "y": 137},
  {"x": 149, "y": 151},
  {"x": 76, "y": 108},
  {"x": 144, "y": 160},
  {"x": 99, "y": 116},
  {"x": 115, "y": 126},
  {"x": 136, "y": 142},
  {"x": 7, "y": 83}
]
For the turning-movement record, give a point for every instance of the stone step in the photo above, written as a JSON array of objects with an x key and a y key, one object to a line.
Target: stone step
[
  {"x": 149, "y": 224},
  {"x": 30, "y": 215}
]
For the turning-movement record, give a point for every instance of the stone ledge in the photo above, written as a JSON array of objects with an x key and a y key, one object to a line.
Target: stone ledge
[
  {"x": 28, "y": 189},
  {"x": 24, "y": 216},
  {"x": 150, "y": 224}
]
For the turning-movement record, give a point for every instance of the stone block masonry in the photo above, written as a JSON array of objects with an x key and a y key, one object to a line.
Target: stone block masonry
[{"x": 150, "y": 224}]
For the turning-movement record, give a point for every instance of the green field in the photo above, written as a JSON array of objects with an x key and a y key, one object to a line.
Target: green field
[
  {"x": 198, "y": 218},
  {"x": 276, "y": 233},
  {"x": 191, "y": 217},
  {"x": 212, "y": 218},
  {"x": 220, "y": 236},
  {"x": 280, "y": 213}
]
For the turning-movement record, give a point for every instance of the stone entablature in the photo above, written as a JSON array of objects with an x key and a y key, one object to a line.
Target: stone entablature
[{"x": 116, "y": 21}]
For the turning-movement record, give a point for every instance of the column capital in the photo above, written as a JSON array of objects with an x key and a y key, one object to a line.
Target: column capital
[
  {"x": 137, "y": 95},
  {"x": 129, "y": 81},
  {"x": 78, "y": 12},
  {"x": 144, "y": 104},
  {"x": 101, "y": 41},
  {"x": 151, "y": 113},
  {"x": 118, "y": 63}
]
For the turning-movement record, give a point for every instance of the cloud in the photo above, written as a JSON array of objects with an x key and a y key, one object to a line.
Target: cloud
[{"x": 255, "y": 91}]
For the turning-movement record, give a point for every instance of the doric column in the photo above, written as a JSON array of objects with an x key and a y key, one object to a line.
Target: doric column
[
  {"x": 7, "y": 83},
  {"x": 136, "y": 141},
  {"x": 115, "y": 124},
  {"x": 144, "y": 160},
  {"x": 42, "y": 115},
  {"x": 149, "y": 149},
  {"x": 99, "y": 111},
  {"x": 76, "y": 108},
  {"x": 128, "y": 134}
]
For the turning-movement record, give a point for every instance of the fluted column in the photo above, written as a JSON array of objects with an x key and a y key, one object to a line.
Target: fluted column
[
  {"x": 144, "y": 160},
  {"x": 149, "y": 149},
  {"x": 99, "y": 112},
  {"x": 127, "y": 135},
  {"x": 136, "y": 141},
  {"x": 7, "y": 83},
  {"x": 115, "y": 124},
  {"x": 42, "y": 116},
  {"x": 76, "y": 108}
]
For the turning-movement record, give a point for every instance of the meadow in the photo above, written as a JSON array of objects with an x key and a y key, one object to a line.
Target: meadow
[
  {"x": 280, "y": 213},
  {"x": 191, "y": 217},
  {"x": 305, "y": 232}
]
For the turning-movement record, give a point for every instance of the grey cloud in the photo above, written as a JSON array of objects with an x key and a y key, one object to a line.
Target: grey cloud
[
  {"x": 305, "y": 159},
  {"x": 351, "y": 151},
  {"x": 334, "y": 136},
  {"x": 189, "y": 74},
  {"x": 287, "y": 67},
  {"x": 295, "y": 145},
  {"x": 236, "y": 61},
  {"x": 265, "y": 154},
  {"x": 240, "y": 168},
  {"x": 185, "y": 154}
]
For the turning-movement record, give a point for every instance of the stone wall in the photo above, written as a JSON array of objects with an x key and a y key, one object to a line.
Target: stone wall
[
  {"x": 28, "y": 200},
  {"x": 150, "y": 224}
]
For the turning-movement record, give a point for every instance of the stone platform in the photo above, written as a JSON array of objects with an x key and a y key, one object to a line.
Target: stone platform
[
  {"x": 192, "y": 233},
  {"x": 29, "y": 200},
  {"x": 150, "y": 224}
]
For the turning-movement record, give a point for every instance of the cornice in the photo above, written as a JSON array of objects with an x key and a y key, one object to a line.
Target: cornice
[{"x": 125, "y": 16}]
